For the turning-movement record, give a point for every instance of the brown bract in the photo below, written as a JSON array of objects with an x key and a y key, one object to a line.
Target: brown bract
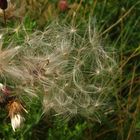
[{"x": 15, "y": 107}]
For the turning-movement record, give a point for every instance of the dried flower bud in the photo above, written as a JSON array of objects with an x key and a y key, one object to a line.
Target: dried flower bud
[
  {"x": 16, "y": 110},
  {"x": 3, "y": 4}
]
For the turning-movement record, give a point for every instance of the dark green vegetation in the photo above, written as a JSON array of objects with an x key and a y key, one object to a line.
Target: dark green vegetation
[{"x": 118, "y": 24}]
